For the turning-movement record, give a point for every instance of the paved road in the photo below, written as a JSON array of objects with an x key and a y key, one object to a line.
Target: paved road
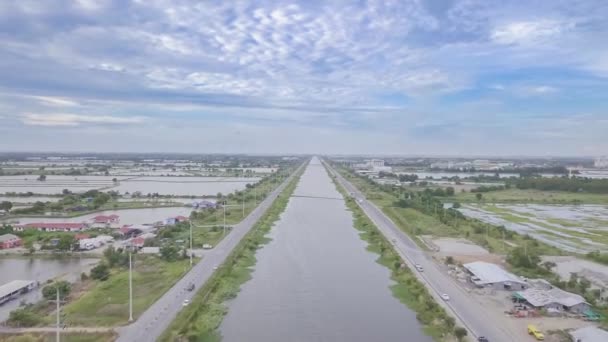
[
  {"x": 152, "y": 323},
  {"x": 467, "y": 312}
]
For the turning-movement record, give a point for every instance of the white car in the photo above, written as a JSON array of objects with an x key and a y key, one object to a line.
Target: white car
[
  {"x": 186, "y": 302},
  {"x": 445, "y": 296},
  {"x": 419, "y": 267},
  {"x": 215, "y": 267}
]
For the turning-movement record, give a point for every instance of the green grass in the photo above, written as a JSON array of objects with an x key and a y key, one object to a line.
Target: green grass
[
  {"x": 107, "y": 303},
  {"x": 531, "y": 196},
  {"x": 199, "y": 321},
  {"x": 65, "y": 337}
]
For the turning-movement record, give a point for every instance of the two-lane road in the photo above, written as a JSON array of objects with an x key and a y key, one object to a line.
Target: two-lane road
[
  {"x": 468, "y": 312},
  {"x": 153, "y": 322}
]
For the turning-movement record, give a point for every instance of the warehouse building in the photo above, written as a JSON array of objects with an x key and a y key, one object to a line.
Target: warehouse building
[
  {"x": 552, "y": 299},
  {"x": 488, "y": 275}
]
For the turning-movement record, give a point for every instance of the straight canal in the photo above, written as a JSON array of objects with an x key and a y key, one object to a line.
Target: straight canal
[{"x": 315, "y": 281}]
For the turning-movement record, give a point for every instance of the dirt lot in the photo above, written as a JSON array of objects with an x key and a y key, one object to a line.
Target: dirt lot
[
  {"x": 596, "y": 273},
  {"x": 462, "y": 250}
]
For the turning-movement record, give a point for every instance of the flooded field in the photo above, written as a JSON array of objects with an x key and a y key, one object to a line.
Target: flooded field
[
  {"x": 176, "y": 185},
  {"x": 39, "y": 270},
  {"x": 315, "y": 281},
  {"x": 29, "y": 199},
  {"x": 185, "y": 186},
  {"x": 127, "y": 216},
  {"x": 596, "y": 273},
  {"x": 575, "y": 228}
]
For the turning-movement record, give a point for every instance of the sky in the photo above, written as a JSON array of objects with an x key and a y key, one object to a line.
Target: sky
[{"x": 408, "y": 77}]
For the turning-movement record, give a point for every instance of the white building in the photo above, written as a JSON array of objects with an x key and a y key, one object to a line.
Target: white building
[
  {"x": 601, "y": 162},
  {"x": 546, "y": 296},
  {"x": 485, "y": 274}
]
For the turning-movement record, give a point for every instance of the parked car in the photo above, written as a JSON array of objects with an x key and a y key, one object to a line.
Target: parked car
[
  {"x": 532, "y": 330},
  {"x": 445, "y": 296},
  {"x": 482, "y": 339}
]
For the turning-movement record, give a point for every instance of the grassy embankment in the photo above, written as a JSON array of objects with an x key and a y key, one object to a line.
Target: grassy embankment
[
  {"x": 416, "y": 223},
  {"x": 200, "y": 320},
  {"x": 107, "y": 303},
  {"x": 65, "y": 337},
  {"x": 436, "y": 322}
]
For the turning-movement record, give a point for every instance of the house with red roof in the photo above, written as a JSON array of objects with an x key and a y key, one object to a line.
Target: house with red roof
[
  {"x": 52, "y": 227},
  {"x": 81, "y": 236},
  {"x": 128, "y": 231},
  {"x": 105, "y": 221},
  {"x": 10, "y": 241}
]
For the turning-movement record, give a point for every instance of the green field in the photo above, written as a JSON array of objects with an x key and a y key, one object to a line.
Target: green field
[
  {"x": 107, "y": 303},
  {"x": 415, "y": 223}
]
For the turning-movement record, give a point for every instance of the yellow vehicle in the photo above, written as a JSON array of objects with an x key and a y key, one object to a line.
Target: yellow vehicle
[{"x": 533, "y": 330}]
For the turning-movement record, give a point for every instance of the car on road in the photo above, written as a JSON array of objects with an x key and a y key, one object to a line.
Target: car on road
[
  {"x": 190, "y": 287},
  {"x": 186, "y": 302},
  {"x": 215, "y": 267},
  {"x": 482, "y": 339},
  {"x": 445, "y": 296},
  {"x": 533, "y": 330},
  {"x": 419, "y": 267},
  {"x": 207, "y": 246}
]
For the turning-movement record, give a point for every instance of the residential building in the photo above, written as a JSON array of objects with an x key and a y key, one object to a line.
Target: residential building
[
  {"x": 103, "y": 221},
  {"x": 484, "y": 274},
  {"x": 52, "y": 227},
  {"x": 10, "y": 241}
]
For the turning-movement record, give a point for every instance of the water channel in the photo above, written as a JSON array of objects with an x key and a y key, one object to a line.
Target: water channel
[{"x": 315, "y": 281}]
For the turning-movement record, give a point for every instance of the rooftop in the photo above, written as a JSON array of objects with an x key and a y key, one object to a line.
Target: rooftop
[
  {"x": 541, "y": 297},
  {"x": 13, "y": 286},
  {"x": 490, "y": 273},
  {"x": 590, "y": 334},
  {"x": 8, "y": 237}
]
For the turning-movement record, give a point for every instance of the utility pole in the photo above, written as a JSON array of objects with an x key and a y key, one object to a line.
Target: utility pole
[
  {"x": 243, "y": 201},
  {"x": 224, "y": 219},
  {"x": 58, "y": 313},
  {"x": 255, "y": 196},
  {"x": 190, "y": 243},
  {"x": 130, "y": 289}
]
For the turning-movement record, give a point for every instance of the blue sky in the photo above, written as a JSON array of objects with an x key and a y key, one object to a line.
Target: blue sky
[{"x": 440, "y": 77}]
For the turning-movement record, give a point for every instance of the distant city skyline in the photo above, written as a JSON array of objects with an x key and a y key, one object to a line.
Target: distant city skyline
[{"x": 410, "y": 77}]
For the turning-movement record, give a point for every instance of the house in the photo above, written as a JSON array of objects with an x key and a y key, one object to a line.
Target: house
[
  {"x": 173, "y": 220},
  {"x": 103, "y": 221},
  {"x": 96, "y": 242},
  {"x": 51, "y": 227},
  {"x": 552, "y": 298},
  {"x": 181, "y": 218},
  {"x": 10, "y": 241},
  {"x": 128, "y": 231},
  {"x": 485, "y": 274},
  {"x": 150, "y": 250},
  {"x": 81, "y": 236},
  {"x": 137, "y": 243},
  {"x": 589, "y": 334},
  {"x": 204, "y": 204}
]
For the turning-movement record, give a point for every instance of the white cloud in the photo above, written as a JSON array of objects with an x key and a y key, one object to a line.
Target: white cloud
[
  {"x": 56, "y": 101},
  {"x": 67, "y": 119},
  {"x": 524, "y": 32}
]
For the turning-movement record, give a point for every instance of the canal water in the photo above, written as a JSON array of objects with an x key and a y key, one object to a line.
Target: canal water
[
  {"x": 315, "y": 281},
  {"x": 39, "y": 270}
]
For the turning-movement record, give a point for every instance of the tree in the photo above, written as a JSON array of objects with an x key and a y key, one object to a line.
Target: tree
[
  {"x": 100, "y": 272},
  {"x": 549, "y": 265},
  {"x": 6, "y": 205},
  {"x": 114, "y": 180},
  {"x": 66, "y": 242},
  {"x": 456, "y": 205},
  {"x": 479, "y": 196},
  {"x": 49, "y": 292},
  {"x": 460, "y": 333},
  {"x": 449, "y": 191},
  {"x": 169, "y": 252},
  {"x": 42, "y": 178}
]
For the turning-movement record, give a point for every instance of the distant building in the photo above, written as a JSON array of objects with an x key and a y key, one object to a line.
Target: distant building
[
  {"x": 485, "y": 274},
  {"x": 10, "y": 241},
  {"x": 51, "y": 227},
  {"x": 601, "y": 162}
]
